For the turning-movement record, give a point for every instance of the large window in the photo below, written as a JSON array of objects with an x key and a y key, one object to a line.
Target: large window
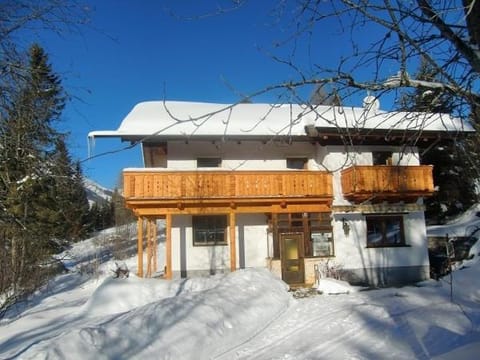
[
  {"x": 209, "y": 230},
  {"x": 385, "y": 230}
]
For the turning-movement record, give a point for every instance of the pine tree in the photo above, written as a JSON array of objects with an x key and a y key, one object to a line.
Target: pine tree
[
  {"x": 27, "y": 188},
  {"x": 70, "y": 199},
  {"x": 122, "y": 214}
]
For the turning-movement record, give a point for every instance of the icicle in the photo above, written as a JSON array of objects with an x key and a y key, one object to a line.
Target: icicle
[{"x": 90, "y": 145}]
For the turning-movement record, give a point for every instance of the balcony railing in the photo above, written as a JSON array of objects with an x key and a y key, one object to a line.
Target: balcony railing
[
  {"x": 171, "y": 186},
  {"x": 381, "y": 182}
]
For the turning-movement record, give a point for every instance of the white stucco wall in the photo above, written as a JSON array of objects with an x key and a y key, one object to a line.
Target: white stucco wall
[
  {"x": 247, "y": 155},
  {"x": 251, "y": 246},
  {"x": 336, "y": 158},
  {"x": 352, "y": 253}
]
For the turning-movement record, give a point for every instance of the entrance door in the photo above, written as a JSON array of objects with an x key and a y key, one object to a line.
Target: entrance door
[{"x": 291, "y": 255}]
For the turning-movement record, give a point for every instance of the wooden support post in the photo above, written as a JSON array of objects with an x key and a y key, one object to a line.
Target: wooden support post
[
  {"x": 233, "y": 246},
  {"x": 140, "y": 247},
  {"x": 155, "y": 245},
  {"x": 168, "y": 246},
  {"x": 149, "y": 248}
]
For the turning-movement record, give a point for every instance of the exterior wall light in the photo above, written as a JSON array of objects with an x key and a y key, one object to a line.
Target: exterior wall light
[{"x": 346, "y": 227}]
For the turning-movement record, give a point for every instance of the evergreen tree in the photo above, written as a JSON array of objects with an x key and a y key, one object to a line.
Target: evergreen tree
[
  {"x": 453, "y": 172},
  {"x": 28, "y": 181},
  {"x": 122, "y": 214},
  {"x": 71, "y": 204}
]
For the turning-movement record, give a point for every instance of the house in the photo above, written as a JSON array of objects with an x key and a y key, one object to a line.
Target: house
[{"x": 295, "y": 188}]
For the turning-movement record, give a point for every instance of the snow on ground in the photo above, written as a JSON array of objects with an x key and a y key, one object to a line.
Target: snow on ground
[
  {"x": 248, "y": 314},
  {"x": 463, "y": 225}
]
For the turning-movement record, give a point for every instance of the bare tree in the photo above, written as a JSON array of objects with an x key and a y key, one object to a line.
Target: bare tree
[
  {"x": 20, "y": 19},
  {"x": 386, "y": 37},
  {"x": 380, "y": 45},
  {"x": 383, "y": 42}
]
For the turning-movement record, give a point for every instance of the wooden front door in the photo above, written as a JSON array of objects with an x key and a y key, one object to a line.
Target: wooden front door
[{"x": 291, "y": 255}]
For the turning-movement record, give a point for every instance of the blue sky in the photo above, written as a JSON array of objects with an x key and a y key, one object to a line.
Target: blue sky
[{"x": 136, "y": 51}]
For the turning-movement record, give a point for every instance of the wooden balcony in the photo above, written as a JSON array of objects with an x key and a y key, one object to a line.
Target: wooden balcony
[
  {"x": 241, "y": 191},
  {"x": 385, "y": 183}
]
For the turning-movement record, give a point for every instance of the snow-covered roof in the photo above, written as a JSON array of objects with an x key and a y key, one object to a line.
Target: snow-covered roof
[
  {"x": 361, "y": 118},
  {"x": 168, "y": 119}
]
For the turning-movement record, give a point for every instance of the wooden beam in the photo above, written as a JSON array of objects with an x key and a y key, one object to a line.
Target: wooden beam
[
  {"x": 168, "y": 246},
  {"x": 140, "y": 247},
  {"x": 378, "y": 208},
  {"x": 159, "y": 209},
  {"x": 233, "y": 246}
]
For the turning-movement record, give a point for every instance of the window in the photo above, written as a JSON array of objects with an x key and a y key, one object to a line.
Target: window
[
  {"x": 322, "y": 243},
  {"x": 155, "y": 154},
  {"x": 316, "y": 227},
  {"x": 382, "y": 158},
  {"x": 385, "y": 230},
  {"x": 209, "y": 162},
  {"x": 297, "y": 163},
  {"x": 209, "y": 230}
]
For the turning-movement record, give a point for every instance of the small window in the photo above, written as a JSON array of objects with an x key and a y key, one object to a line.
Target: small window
[
  {"x": 322, "y": 243},
  {"x": 209, "y": 162},
  {"x": 155, "y": 154},
  {"x": 382, "y": 158},
  {"x": 385, "y": 231},
  {"x": 297, "y": 163},
  {"x": 209, "y": 230}
]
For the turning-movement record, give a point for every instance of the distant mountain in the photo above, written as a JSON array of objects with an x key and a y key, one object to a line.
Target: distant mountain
[{"x": 95, "y": 192}]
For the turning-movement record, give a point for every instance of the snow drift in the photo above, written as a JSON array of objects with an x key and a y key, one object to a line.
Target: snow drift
[{"x": 191, "y": 319}]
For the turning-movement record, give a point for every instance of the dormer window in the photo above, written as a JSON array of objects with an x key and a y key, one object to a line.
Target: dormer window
[{"x": 209, "y": 162}]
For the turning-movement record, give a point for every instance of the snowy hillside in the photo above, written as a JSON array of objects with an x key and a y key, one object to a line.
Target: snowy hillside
[
  {"x": 95, "y": 192},
  {"x": 248, "y": 314},
  {"x": 463, "y": 225}
]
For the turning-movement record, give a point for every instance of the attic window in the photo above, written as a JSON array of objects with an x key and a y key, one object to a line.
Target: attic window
[
  {"x": 382, "y": 157},
  {"x": 209, "y": 162},
  {"x": 297, "y": 163}
]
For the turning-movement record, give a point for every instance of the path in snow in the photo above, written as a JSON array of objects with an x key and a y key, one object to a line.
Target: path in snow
[{"x": 343, "y": 326}]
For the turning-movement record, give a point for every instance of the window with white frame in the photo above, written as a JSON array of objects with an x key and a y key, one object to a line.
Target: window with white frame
[{"x": 385, "y": 230}]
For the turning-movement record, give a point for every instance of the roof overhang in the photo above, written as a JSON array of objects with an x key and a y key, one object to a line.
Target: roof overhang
[{"x": 176, "y": 120}]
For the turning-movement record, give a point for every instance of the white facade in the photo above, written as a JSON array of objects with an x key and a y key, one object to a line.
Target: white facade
[
  {"x": 263, "y": 137},
  {"x": 251, "y": 242},
  {"x": 252, "y": 238}
]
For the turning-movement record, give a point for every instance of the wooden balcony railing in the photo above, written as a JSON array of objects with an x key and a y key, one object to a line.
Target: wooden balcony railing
[
  {"x": 381, "y": 182},
  {"x": 163, "y": 187}
]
